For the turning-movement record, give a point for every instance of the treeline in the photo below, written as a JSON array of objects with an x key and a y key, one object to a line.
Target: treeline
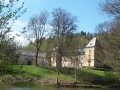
[{"x": 82, "y": 39}]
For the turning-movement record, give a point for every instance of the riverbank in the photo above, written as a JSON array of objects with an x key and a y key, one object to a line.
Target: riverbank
[
  {"x": 46, "y": 76},
  {"x": 45, "y": 82}
]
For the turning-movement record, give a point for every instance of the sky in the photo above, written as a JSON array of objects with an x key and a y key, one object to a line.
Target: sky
[{"x": 87, "y": 11}]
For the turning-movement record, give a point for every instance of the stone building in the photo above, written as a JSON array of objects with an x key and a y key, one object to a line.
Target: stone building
[
  {"x": 28, "y": 58},
  {"x": 85, "y": 58},
  {"x": 90, "y": 53}
]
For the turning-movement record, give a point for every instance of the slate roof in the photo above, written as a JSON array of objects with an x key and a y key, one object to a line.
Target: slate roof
[
  {"x": 92, "y": 43},
  {"x": 29, "y": 53},
  {"x": 81, "y": 51}
]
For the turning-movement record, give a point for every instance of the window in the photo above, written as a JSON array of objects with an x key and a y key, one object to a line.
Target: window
[
  {"x": 89, "y": 58},
  {"x": 89, "y": 51}
]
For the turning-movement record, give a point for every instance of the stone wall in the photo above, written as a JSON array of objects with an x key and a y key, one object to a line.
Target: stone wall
[{"x": 30, "y": 60}]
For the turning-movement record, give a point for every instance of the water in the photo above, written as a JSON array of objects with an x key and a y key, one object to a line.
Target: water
[{"x": 21, "y": 88}]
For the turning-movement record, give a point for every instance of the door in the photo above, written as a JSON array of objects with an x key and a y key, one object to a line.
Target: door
[{"x": 29, "y": 62}]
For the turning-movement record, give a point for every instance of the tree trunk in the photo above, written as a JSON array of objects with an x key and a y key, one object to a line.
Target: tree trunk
[
  {"x": 59, "y": 61},
  {"x": 58, "y": 67},
  {"x": 75, "y": 70},
  {"x": 58, "y": 72},
  {"x": 36, "y": 58}
]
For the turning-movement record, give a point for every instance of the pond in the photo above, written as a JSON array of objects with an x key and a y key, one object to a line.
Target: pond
[{"x": 41, "y": 88}]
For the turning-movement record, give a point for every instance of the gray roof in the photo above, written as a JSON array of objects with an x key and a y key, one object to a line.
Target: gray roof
[
  {"x": 81, "y": 51},
  {"x": 92, "y": 42},
  {"x": 29, "y": 53}
]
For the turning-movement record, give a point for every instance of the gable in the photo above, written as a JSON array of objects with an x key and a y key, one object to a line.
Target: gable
[{"x": 92, "y": 43}]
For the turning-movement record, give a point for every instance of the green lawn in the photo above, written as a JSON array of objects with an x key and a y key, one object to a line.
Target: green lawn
[
  {"x": 43, "y": 72},
  {"x": 94, "y": 72},
  {"x": 84, "y": 75},
  {"x": 50, "y": 72}
]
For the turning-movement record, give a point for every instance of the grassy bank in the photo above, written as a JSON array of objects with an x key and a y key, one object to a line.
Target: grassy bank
[{"x": 32, "y": 75}]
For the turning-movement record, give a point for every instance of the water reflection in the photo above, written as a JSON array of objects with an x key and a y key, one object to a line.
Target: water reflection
[{"x": 57, "y": 89}]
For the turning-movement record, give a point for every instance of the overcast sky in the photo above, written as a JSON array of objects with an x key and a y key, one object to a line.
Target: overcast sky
[{"x": 87, "y": 11}]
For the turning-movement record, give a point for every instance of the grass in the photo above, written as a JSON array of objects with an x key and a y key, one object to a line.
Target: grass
[
  {"x": 43, "y": 72},
  {"x": 94, "y": 72},
  {"x": 84, "y": 75},
  {"x": 50, "y": 72}
]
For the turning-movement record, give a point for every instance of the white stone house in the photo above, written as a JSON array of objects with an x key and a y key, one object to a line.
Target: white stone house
[{"x": 86, "y": 58}]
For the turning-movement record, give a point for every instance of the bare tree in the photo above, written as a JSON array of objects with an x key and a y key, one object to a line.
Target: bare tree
[
  {"x": 111, "y": 7},
  {"x": 37, "y": 30},
  {"x": 64, "y": 25}
]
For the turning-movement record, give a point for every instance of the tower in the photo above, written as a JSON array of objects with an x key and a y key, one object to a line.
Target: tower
[{"x": 90, "y": 53}]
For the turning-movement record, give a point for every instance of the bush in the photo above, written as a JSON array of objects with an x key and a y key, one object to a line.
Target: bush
[{"x": 111, "y": 77}]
